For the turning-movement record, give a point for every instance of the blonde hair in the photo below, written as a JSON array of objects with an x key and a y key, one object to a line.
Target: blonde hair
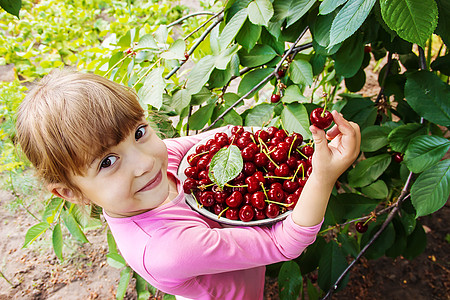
[{"x": 69, "y": 118}]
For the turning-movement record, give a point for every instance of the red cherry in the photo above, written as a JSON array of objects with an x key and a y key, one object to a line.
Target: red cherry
[
  {"x": 246, "y": 213},
  {"x": 200, "y": 149},
  {"x": 292, "y": 162},
  {"x": 207, "y": 198},
  {"x": 281, "y": 73},
  {"x": 248, "y": 153},
  {"x": 281, "y": 133},
  {"x": 249, "y": 168},
  {"x": 190, "y": 184},
  {"x": 275, "y": 98},
  {"x": 271, "y": 131},
  {"x": 232, "y": 214},
  {"x": 367, "y": 49},
  {"x": 259, "y": 214},
  {"x": 398, "y": 157},
  {"x": 272, "y": 210},
  {"x": 258, "y": 200},
  {"x": 262, "y": 134},
  {"x": 307, "y": 151},
  {"x": 320, "y": 120},
  {"x": 260, "y": 177},
  {"x": 243, "y": 142},
  {"x": 279, "y": 155},
  {"x": 361, "y": 227},
  {"x": 252, "y": 184},
  {"x": 291, "y": 199},
  {"x": 290, "y": 186},
  {"x": 186, "y": 56},
  {"x": 235, "y": 199},
  {"x": 276, "y": 195},
  {"x": 283, "y": 170},
  {"x": 260, "y": 160},
  {"x": 218, "y": 208},
  {"x": 237, "y": 130}
]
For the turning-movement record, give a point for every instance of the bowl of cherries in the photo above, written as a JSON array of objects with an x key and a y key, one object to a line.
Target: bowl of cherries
[{"x": 246, "y": 176}]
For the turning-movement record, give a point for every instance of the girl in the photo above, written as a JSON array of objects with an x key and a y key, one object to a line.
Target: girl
[{"x": 90, "y": 142}]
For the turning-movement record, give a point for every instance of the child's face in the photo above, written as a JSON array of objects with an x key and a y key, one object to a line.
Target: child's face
[{"x": 131, "y": 177}]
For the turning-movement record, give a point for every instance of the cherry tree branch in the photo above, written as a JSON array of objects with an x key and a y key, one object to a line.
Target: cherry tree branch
[
  {"x": 403, "y": 196},
  {"x": 260, "y": 84},
  {"x": 180, "y": 20},
  {"x": 385, "y": 75},
  {"x": 197, "y": 43}
]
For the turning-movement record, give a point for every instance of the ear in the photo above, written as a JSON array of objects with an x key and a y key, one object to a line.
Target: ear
[{"x": 62, "y": 191}]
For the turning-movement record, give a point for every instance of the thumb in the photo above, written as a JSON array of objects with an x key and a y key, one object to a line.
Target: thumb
[{"x": 319, "y": 137}]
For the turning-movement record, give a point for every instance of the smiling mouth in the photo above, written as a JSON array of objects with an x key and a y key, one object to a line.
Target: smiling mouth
[{"x": 155, "y": 181}]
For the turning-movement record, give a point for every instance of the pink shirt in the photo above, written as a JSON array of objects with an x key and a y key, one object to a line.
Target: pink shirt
[{"x": 183, "y": 253}]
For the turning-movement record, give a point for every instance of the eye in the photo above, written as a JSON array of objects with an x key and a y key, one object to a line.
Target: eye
[
  {"x": 140, "y": 132},
  {"x": 107, "y": 162}
]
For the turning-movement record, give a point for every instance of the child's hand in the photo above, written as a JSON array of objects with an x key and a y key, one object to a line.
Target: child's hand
[{"x": 330, "y": 160}]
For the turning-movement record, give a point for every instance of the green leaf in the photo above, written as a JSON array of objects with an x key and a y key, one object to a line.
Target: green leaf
[
  {"x": 225, "y": 56},
  {"x": 57, "y": 241},
  {"x": 259, "y": 114},
  {"x": 416, "y": 242},
  {"x": 413, "y": 20},
  {"x": 443, "y": 26},
  {"x": 320, "y": 30},
  {"x": 225, "y": 165},
  {"x": 260, "y": 12},
  {"x": 232, "y": 28},
  {"x": 141, "y": 287},
  {"x": 376, "y": 190},
  {"x": 51, "y": 209},
  {"x": 349, "y": 244},
  {"x": 431, "y": 189},
  {"x": 34, "y": 232},
  {"x": 73, "y": 227},
  {"x": 350, "y": 205},
  {"x": 382, "y": 243},
  {"x": 374, "y": 138},
  {"x": 198, "y": 119},
  {"x": 175, "y": 51},
  {"x": 147, "y": 42},
  {"x": 296, "y": 119},
  {"x": 368, "y": 170},
  {"x": 290, "y": 281},
  {"x": 400, "y": 137},
  {"x": 424, "y": 151},
  {"x": 442, "y": 64},
  {"x": 180, "y": 100},
  {"x": 115, "y": 260},
  {"x": 249, "y": 35},
  {"x": 359, "y": 110},
  {"x": 429, "y": 96},
  {"x": 351, "y": 16},
  {"x": 151, "y": 93},
  {"x": 291, "y": 10},
  {"x": 293, "y": 94},
  {"x": 124, "y": 281},
  {"x": 331, "y": 265},
  {"x": 112, "y": 246},
  {"x": 251, "y": 79},
  {"x": 313, "y": 293},
  {"x": 328, "y": 6},
  {"x": 11, "y": 6},
  {"x": 259, "y": 55},
  {"x": 200, "y": 74},
  {"x": 300, "y": 72},
  {"x": 350, "y": 56}
]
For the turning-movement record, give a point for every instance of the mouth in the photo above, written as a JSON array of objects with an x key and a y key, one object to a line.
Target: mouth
[{"x": 155, "y": 181}]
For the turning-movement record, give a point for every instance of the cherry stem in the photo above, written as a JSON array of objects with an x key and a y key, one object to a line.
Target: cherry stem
[
  {"x": 198, "y": 204},
  {"x": 296, "y": 171},
  {"x": 279, "y": 203},
  {"x": 290, "y": 148},
  {"x": 205, "y": 186},
  {"x": 236, "y": 186},
  {"x": 268, "y": 156},
  {"x": 302, "y": 154},
  {"x": 264, "y": 189},
  {"x": 261, "y": 142},
  {"x": 278, "y": 177},
  {"x": 221, "y": 213},
  {"x": 325, "y": 106},
  {"x": 199, "y": 154}
]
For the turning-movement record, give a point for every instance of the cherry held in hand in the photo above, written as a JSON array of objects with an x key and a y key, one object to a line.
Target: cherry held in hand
[{"x": 321, "y": 119}]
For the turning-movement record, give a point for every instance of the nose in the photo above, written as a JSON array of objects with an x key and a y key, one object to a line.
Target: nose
[{"x": 142, "y": 162}]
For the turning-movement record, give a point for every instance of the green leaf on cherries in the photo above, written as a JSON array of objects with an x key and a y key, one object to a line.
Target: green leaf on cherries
[{"x": 225, "y": 165}]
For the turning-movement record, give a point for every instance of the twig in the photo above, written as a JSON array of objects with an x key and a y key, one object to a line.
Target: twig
[
  {"x": 422, "y": 59},
  {"x": 202, "y": 25},
  {"x": 201, "y": 39},
  {"x": 4, "y": 277},
  {"x": 390, "y": 217},
  {"x": 189, "y": 16},
  {"x": 261, "y": 83}
]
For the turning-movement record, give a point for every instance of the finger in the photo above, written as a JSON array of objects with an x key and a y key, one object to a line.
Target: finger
[
  {"x": 333, "y": 132},
  {"x": 350, "y": 131},
  {"x": 320, "y": 140}
]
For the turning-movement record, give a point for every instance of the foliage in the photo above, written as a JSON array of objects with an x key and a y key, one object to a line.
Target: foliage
[{"x": 257, "y": 48}]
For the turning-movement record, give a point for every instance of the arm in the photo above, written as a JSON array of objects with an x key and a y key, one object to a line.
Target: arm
[{"x": 330, "y": 160}]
